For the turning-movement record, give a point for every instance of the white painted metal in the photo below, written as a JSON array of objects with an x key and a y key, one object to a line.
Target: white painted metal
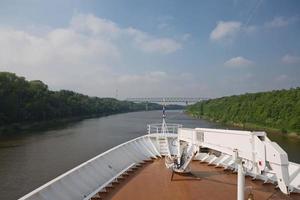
[
  {"x": 164, "y": 146},
  {"x": 263, "y": 158},
  {"x": 190, "y": 154},
  {"x": 294, "y": 175},
  {"x": 108, "y": 182},
  {"x": 217, "y": 160},
  {"x": 199, "y": 156},
  {"x": 204, "y": 158},
  {"x": 86, "y": 179},
  {"x": 157, "y": 128},
  {"x": 241, "y": 175},
  {"x": 241, "y": 181},
  {"x": 213, "y": 159}
]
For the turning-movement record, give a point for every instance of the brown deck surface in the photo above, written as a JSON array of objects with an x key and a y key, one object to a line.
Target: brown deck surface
[{"x": 153, "y": 181}]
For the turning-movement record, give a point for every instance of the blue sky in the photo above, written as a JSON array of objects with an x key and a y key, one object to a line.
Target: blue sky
[{"x": 153, "y": 48}]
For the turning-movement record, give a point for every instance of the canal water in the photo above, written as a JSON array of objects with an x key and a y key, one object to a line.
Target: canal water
[{"x": 28, "y": 160}]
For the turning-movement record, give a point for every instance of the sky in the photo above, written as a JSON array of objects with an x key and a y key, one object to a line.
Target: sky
[{"x": 136, "y": 48}]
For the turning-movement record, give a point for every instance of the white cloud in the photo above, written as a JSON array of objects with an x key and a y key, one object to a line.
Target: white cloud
[
  {"x": 88, "y": 40},
  {"x": 160, "y": 83},
  {"x": 150, "y": 44},
  {"x": 84, "y": 56},
  {"x": 225, "y": 30},
  {"x": 163, "y": 25},
  {"x": 249, "y": 29},
  {"x": 186, "y": 36},
  {"x": 228, "y": 30},
  {"x": 110, "y": 30},
  {"x": 164, "y": 22},
  {"x": 278, "y": 22},
  {"x": 238, "y": 62},
  {"x": 95, "y": 25},
  {"x": 56, "y": 50},
  {"x": 150, "y": 77},
  {"x": 290, "y": 59},
  {"x": 282, "y": 77}
]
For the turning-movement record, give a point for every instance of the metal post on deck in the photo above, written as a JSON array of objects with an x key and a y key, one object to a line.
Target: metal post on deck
[
  {"x": 241, "y": 177},
  {"x": 241, "y": 181}
]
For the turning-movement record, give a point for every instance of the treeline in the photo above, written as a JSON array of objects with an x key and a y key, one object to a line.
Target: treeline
[
  {"x": 31, "y": 101},
  {"x": 278, "y": 110}
]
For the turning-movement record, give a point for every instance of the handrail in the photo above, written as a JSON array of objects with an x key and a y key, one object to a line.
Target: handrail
[
  {"x": 157, "y": 128},
  {"x": 114, "y": 158},
  {"x": 108, "y": 182}
]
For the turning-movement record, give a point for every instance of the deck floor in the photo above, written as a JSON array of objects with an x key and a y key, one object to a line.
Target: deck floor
[{"x": 153, "y": 181}]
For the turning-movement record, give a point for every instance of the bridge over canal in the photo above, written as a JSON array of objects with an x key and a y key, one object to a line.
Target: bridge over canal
[{"x": 186, "y": 100}]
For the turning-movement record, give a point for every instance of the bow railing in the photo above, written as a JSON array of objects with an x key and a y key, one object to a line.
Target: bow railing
[{"x": 158, "y": 128}]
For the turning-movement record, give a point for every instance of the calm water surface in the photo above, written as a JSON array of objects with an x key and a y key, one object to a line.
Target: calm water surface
[{"x": 28, "y": 160}]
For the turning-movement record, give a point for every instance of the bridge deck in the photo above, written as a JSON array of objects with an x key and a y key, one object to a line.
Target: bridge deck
[
  {"x": 167, "y": 99},
  {"x": 154, "y": 182}
]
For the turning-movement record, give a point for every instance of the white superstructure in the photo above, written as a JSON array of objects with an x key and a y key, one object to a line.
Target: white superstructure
[{"x": 252, "y": 152}]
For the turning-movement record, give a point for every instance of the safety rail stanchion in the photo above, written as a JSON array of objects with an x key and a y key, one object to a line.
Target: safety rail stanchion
[{"x": 157, "y": 128}]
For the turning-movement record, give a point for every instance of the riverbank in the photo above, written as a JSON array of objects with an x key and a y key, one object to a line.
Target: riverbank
[
  {"x": 47, "y": 124},
  {"x": 24, "y": 102},
  {"x": 247, "y": 126},
  {"x": 276, "y": 111},
  {"x": 38, "y": 125},
  {"x": 60, "y": 122}
]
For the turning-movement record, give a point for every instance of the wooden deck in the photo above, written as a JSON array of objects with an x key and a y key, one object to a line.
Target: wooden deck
[{"x": 153, "y": 181}]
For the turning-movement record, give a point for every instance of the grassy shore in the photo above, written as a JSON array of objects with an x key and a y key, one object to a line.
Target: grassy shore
[
  {"x": 39, "y": 125},
  {"x": 249, "y": 126},
  {"x": 273, "y": 111},
  {"x": 45, "y": 124}
]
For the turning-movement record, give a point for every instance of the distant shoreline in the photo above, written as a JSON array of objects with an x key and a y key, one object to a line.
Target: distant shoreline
[
  {"x": 248, "y": 126},
  {"x": 38, "y": 125},
  {"x": 50, "y": 124},
  {"x": 24, "y": 127},
  {"x": 275, "y": 111}
]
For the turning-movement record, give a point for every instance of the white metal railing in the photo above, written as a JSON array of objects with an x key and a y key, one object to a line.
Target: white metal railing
[
  {"x": 157, "y": 128},
  {"x": 86, "y": 179},
  {"x": 109, "y": 182}
]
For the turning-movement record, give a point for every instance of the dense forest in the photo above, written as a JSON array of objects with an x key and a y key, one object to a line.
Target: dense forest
[
  {"x": 31, "y": 101},
  {"x": 276, "y": 110}
]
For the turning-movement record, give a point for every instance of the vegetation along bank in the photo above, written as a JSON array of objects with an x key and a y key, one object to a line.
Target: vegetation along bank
[
  {"x": 277, "y": 111},
  {"x": 23, "y": 101}
]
